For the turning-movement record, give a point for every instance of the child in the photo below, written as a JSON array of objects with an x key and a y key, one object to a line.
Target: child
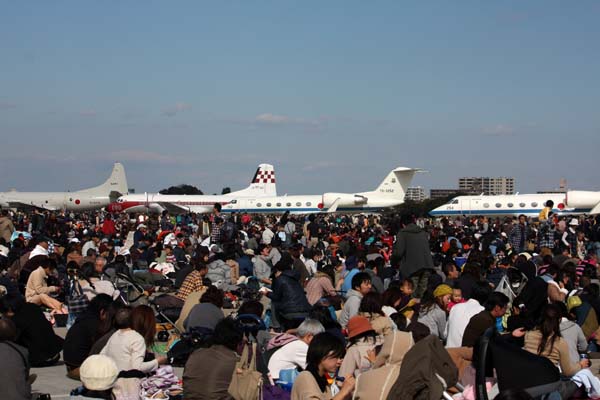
[
  {"x": 456, "y": 298},
  {"x": 407, "y": 305}
]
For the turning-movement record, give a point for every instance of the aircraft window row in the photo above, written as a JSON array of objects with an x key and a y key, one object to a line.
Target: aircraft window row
[
  {"x": 298, "y": 204},
  {"x": 510, "y": 205}
]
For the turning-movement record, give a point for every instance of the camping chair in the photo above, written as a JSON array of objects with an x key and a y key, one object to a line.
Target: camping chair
[{"x": 513, "y": 367}]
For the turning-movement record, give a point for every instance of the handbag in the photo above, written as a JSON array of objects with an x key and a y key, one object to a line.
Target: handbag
[
  {"x": 246, "y": 382},
  {"x": 77, "y": 301}
]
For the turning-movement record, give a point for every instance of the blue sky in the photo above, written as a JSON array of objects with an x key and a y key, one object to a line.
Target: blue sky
[{"x": 334, "y": 94}]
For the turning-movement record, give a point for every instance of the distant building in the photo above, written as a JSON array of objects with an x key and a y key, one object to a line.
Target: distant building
[
  {"x": 416, "y": 193},
  {"x": 444, "y": 193},
  {"x": 487, "y": 185}
]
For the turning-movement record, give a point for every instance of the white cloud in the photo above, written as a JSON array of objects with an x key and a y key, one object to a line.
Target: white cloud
[
  {"x": 269, "y": 118},
  {"x": 499, "y": 130},
  {"x": 177, "y": 108}
]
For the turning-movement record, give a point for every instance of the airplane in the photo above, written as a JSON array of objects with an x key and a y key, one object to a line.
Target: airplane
[
  {"x": 507, "y": 205},
  {"x": 81, "y": 200},
  {"x": 389, "y": 193},
  {"x": 262, "y": 184},
  {"x": 585, "y": 200}
]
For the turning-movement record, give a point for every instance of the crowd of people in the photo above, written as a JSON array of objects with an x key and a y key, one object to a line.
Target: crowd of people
[{"x": 346, "y": 306}]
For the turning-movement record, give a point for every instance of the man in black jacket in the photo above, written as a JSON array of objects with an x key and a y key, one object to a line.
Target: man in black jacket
[
  {"x": 84, "y": 332},
  {"x": 288, "y": 300}
]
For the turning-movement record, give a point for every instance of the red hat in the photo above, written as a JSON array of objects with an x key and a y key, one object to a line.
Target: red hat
[{"x": 358, "y": 325}]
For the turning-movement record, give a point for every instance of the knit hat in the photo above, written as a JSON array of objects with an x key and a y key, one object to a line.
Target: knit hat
[
  {"x": 98, "y": 372},
  {"x": 442, "y": 290},
  {"x": 358, "y": 325}
]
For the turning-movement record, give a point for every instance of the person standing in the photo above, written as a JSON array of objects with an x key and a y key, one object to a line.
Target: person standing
[{"x": 412, "y": 251}]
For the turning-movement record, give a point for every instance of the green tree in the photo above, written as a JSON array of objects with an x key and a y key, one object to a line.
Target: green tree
[{"x": 181, "y": 189}]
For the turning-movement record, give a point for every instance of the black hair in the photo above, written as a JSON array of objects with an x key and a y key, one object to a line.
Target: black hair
[
  {"x": 48, "y": 262},
  {"x": 419, "y": 331},
  {"x": 214, "y": 296},
  {"x": 253, "y": 307},
  {"x": 391, "y": 296},
  {"x": 322, "y": 346},
  {"x": 359, "y": 278},
  {"x": 8, "y": 330},
  {"x": 549, "y": 326},
  {"x": 122, "y": 318},
  {"x": 218, "y": 207},
  {"x": 447, "y": 267},
  {"x": 227, "y": 333},
  {"x": 481, "y": 291},
  {"x": 323, "y": 315},
  {"x": 400, "y": 320},
  {"x": 100, "y": 302},
  {"x": 496, "y": 299},
  {"x": 371, "y": 303},
  {"x": 11, "y": 302}
]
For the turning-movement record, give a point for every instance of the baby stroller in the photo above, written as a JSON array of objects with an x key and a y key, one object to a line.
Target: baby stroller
[{"x": 512, "y": 283}]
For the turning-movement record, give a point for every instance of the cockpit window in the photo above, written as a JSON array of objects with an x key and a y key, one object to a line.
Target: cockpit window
[
  {"x": 455, "y": 201},
  {"x": 233, "y": 202}
]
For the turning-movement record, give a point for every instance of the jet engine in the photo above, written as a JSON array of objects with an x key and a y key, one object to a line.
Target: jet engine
[
  {"x": 343, "y": 200},
  {"x": 584, "y": 199}
]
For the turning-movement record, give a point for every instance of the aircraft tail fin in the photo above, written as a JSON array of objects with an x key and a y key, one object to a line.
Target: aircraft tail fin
[
  {"x": 114, "y": 186},
  {"x": 262, "y": 184},
  {"x": 396, "y": 183}
]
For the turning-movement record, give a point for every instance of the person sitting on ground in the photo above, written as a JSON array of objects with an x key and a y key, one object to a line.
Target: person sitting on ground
[
  {"x": 293, "y": 354},
  {"x": 320, "y": 285},
  {"x": 193, "y": 282},
  {"x": 494, "y": 307},
  {"x": 34, "y": 331},
  {"x": 210, "y": 380},
  {"x": 546, "y": 341},
  {"x": 362, "y": 339},
  {"x": 208, "y": 312},
  {"x": 98, "y": 375},
  {"x": 127, "y": 348},
  {"x": 433, "y": 310},
  {"x": 323, "y": 359},
  {"x": 15, "y": 367},
  {"x": 37, "y": 290},
  {"x": 92, "y": 285},
  {"x": 143, "y": 321},
  {"x": 371, "y": 308},
  {"x": 288, "y": 300},
  {"x": 361, "y": 285},
  {"x": 84, "y": 332}
]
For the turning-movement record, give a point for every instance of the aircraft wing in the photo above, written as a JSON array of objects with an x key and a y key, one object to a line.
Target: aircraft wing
[
  {"x": 595, "y": 210},
  {"x": 30, "y": 206},
  {"x": 173, "y": 208}
]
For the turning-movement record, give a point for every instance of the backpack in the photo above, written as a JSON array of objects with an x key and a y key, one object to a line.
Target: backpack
[
  {"x": 276, "y": 241},
  {"x": 228, "y": 232}
]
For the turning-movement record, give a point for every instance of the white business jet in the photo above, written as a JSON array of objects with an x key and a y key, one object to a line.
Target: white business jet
[{"x": 389, "y": 193}]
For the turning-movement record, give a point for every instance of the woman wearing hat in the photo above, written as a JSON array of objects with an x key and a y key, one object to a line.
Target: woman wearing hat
[
  {"x": 362, "y": 339},
  {"x": 98, "y": 374},
  {"x": 432, "y": 312}
]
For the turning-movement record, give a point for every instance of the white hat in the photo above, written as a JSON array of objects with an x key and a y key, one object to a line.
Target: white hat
[
  {"x": 249, "y": 252},
  {"x": 574, "y": 222},
  {"x": 142, "y": 226},
  {"x": 74, "y": 240},
  {"x": 98, "y": 372},
  {"x": 503, "y": 234},
  {"x": 526, "y": 255}
]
